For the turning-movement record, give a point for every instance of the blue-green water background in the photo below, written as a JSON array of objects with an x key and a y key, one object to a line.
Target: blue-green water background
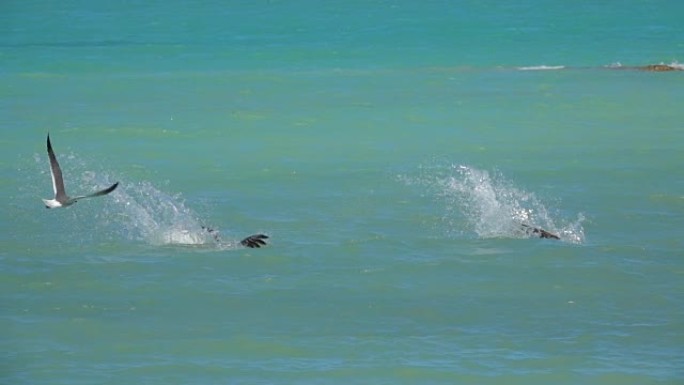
[{"x": 387, "y": 147}]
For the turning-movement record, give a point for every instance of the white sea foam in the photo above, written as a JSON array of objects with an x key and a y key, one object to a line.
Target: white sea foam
[
  {"x": 541, "y": 68},
  {"x": 677, "y": 65}
]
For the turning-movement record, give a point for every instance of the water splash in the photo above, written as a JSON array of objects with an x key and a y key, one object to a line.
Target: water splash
[
  {"x": 136, "y": 211},
  {"x": 149, "y": 214},
  {"x": 493, "y": 207},
  {"x": 145, "y": 213}
]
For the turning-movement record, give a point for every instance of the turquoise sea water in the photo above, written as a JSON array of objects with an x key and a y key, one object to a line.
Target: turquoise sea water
[{"x": 388, "y": 148}]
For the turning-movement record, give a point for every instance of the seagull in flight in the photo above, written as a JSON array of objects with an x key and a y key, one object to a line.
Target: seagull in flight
[{"x": 61, "y": 198}]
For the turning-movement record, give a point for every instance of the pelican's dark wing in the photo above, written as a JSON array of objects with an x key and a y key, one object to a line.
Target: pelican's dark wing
[{"x": 254, "y": 241}]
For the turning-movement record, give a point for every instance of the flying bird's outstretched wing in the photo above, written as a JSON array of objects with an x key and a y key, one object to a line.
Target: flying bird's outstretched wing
[
  {"x": 99, "y": 193},
  {"x": 61, "y": 198},
  {"x": 56, "y": 172}
]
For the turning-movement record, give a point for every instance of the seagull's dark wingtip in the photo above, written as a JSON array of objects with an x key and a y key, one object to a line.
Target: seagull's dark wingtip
[{"x": 112, "y": 188}]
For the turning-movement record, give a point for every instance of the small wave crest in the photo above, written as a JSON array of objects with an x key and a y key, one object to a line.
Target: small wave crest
[
  {"x": 540, "y": 68},
  {"x": 676, "y": 65}
]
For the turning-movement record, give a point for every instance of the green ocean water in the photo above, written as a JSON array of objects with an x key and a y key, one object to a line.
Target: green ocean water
[{"x": 389, "y": 150}]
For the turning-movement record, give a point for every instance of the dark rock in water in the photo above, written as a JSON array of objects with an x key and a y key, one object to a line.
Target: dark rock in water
[
  {"x": 659, "y": 68},
  {"x": 254, "y": 241},
  {"x": 650, "y": 67}
]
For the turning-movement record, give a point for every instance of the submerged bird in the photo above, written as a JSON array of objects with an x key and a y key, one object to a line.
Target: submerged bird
[
  {"x": 61, "y": 198},
  {"x": 253, "y": 241},
  {"x": 541, "y": 233}
]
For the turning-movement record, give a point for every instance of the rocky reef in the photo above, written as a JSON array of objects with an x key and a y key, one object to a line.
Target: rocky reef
[{"x": 660, "y": 68}]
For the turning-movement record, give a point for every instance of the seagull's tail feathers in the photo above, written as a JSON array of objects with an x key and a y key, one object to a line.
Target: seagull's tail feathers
[{"x": 51, "y": 203}]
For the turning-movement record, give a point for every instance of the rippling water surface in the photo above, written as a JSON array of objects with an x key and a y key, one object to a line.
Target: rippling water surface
[{"x": 390, "y": 150}]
